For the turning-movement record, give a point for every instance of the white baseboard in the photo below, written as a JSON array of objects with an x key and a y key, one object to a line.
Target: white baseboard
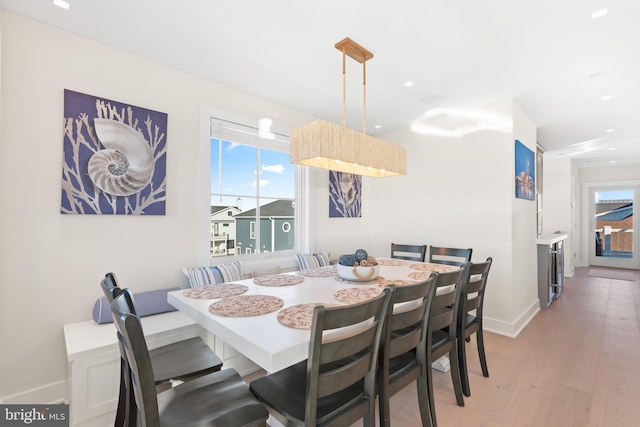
[
  {"x": 50, "y": 394},
  {"x": 512, "y": 330}
]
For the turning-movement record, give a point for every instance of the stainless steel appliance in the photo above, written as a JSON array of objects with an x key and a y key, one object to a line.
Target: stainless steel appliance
[{"x": 550, "y": 269}]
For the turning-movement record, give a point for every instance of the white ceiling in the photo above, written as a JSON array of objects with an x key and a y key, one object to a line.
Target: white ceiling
[{"x": 549, "y": 56}]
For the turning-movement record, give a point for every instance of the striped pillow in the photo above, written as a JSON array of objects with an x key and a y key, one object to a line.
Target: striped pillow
[
  {"x": 201, "y": 276},
  {"x": 231, "y": 271},
  {"x": 312, "y": 261}
]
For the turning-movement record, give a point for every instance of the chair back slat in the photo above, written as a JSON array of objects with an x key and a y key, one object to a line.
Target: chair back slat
[
  {"x": 405, "y": 340},
  {"x": 343, "y": 376},
  {"x": 442, "y": 320},
  {"x": 409, "y": 252},
  {"x": 407, "y": 318},
  {"x": 333, "y": 351},
  {"x": 449, "y": 256}
]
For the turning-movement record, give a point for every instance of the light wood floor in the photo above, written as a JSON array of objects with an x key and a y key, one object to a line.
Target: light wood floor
[{"x": 576, "y": 364}]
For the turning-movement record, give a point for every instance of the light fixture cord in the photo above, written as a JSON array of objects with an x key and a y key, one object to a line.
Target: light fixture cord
[
  {"x": 364, "y": 89},
  {"x": 344, "y": 88}
]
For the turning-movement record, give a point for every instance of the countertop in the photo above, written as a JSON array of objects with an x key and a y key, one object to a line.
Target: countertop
[{"x": 550, "y": 239}]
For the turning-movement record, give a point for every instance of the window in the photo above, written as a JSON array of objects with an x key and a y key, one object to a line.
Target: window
[{"x": 253, "y": 180}]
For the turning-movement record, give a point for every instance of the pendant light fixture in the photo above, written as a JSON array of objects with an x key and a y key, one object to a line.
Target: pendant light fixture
[{"x": 326, "y": 145}]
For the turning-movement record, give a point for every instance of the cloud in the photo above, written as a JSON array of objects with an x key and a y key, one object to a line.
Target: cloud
[
  {"x": 263, "y": 183},
  {"x": 273, "y": 168}
]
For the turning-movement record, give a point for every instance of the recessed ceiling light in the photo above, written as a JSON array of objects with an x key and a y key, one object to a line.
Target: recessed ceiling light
[
  {"x": 606, "y": 97},
  {"x": 61, "y": 3},
  {"x": 377, "y": 126},
  {"x": 598, "y": 13},
  {"x": 611, "y": 148},
  {"x": 610, "y": 130},
  {"x": 409, "y": 83},
  {"x": 612, "y": 161}
]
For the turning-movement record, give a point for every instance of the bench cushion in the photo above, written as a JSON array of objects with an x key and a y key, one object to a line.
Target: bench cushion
[{"x": 147, "y": 304}]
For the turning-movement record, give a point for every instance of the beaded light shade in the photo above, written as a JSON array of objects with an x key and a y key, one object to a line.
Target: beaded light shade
[{"x": 326, "y": 145}]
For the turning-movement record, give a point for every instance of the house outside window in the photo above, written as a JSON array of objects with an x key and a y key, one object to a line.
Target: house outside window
[{"x": 253, "y": 176}]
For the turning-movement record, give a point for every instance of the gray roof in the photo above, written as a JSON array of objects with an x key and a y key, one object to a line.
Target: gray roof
[
  {"x": 610, "y": 205},
  {"x": 616, "y": 214},
  {"x": 216, "y": 209},
  {"x": 277, "y": 208}
]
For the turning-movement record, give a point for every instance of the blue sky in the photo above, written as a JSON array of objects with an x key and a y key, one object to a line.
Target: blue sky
[
  {"x": 614, "y": 195},
  {"x": 240, "y": 178}
]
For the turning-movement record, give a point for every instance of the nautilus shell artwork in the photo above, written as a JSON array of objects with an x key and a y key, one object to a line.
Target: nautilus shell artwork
[
  {"x": 345, "y": 195},
  {"x": 114, "y": 157},
  {"x": 125, "y": 165}
]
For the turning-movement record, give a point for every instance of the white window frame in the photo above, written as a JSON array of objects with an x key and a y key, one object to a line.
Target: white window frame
[{"x": 304, "y": 204}]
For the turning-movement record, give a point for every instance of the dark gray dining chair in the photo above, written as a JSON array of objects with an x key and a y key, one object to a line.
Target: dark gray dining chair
[
  {"x": 218, "y": 399},
  {"x": 470, "y": 321},
  {"x": 183, "y": 360},
  {"x": 409, "y": 252},
  {"x": 449, "y": 256},
  {"x": 442, "y": 329},
  {"x": 403, "y": 357},
  {"x": 336, "y": 384}
]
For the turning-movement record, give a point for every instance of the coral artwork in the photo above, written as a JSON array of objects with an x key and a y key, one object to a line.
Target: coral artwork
[
  {"x": 114, "y": 157},
  {"x": 345, "y": 195}
]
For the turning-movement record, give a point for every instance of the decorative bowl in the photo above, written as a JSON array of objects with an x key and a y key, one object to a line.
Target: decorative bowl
[{"x": 358, "y": 274}]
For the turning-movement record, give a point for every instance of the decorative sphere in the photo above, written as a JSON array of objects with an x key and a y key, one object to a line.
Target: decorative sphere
[
  {"x": 347, "y": 259},
  {"x": 361, "y": 254}
]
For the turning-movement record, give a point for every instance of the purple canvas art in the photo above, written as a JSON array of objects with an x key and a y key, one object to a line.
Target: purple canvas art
[
  {"x": 345, "y": 195},
  {"x": 115, "y": 157}
]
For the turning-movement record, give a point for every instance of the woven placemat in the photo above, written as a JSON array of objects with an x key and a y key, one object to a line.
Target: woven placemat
[
  {"x": 300, "y": 316},
  {"x": 216, "y": 291},
  {"x": 400, "y": 282},
  {"x": 440, "y": 268},
  {"x": 246, "y": 305},
  {"x": 278, "y": 280},
  {"x": 377, "y": 281},
  {"x": 420, "y": 275},
  {"x": 328, "y": 271},
  {"x": 356, "y": 295},
  {"x": 391, "y": 262}
]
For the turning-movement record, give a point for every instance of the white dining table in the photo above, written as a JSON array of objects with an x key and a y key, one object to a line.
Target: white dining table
[{"x": 263, "y": 338}]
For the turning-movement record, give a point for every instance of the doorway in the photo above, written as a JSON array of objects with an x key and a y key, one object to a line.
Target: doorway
[{"x": 612, "y": 224}]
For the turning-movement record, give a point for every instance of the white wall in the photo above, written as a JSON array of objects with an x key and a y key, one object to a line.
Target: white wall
[
  {"x": 52, "y": 264},
  {"x": 525, "y": 232},
  {"x": 558, "y": 205}
]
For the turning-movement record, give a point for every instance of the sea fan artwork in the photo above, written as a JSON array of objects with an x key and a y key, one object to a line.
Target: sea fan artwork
[
  {"x": 115, "y": 158},
  {"x": 345, "y": 195}
]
